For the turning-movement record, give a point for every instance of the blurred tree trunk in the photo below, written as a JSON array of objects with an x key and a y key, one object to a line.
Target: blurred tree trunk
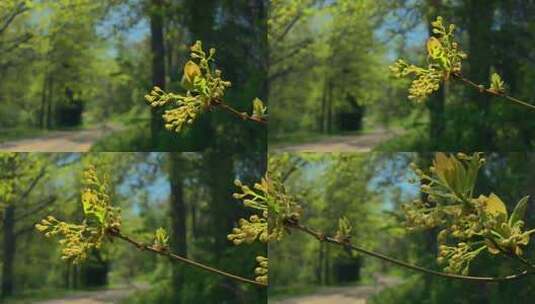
[
  {"x": 479, "y": 23},
  {"x": 319, "y": 270},
  {"x": 221, "y": 189},
  {"x": 158, "y": 63},
  {"x": 178, "y": 209},
  {"x": 327, "y": 274},
  {"x": 223, "y": 212},
  {"x": 8, "y": 254},
  {"x": 436, "y": 101},
  {"x": 94, "y": 272},
  {"x": 49, "y": 100},
  {"x": 199, "y": 18},
  {"x": 323, "y": 119},
  {"x": 42, "y": 110},
  {"x": 330, "y": 88}
]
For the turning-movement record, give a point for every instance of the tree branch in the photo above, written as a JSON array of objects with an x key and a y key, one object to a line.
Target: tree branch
[
  {"x": 322, "y": 237},
  {"x": 482, "y": 89},
  {"x": 21, "y": 8},
  {"x": 116, "y": 233},
  {"x": 242, "y": 115},
  {"x": 40, "y": 206},
  {"x": 34, "y": 183}
]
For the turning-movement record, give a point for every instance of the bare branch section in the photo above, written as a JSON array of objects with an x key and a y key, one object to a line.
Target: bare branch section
[
  {"x": 322, "y": 237},
  {"x": 163, "y": 252},
  {"x": 242, "y": 115},
  {"x": 495, "y": 93}
]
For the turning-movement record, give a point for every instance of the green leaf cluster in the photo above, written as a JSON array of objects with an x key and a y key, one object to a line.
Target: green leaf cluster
[
  {"x": 161, "y": 239},
  {"x": 468, "y": 225},
  {"x": 343, "y": 234},
  {"x": 496, "y": 83}
]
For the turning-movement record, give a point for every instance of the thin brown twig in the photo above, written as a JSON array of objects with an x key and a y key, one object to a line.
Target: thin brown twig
[
  {"x": 116, "y": 233},
  {"x": 242, "y": 115},
  {"x": 324, "y": 238},
  {"x": 492, "y": 92}
]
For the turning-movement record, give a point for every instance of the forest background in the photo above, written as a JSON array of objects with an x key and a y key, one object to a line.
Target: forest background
[
  {"x": 189, "y": 195},
  {"x": 368, "y": 189},
  {"x": 329, "y": 76},
  {"x": 84, "y": 65}
]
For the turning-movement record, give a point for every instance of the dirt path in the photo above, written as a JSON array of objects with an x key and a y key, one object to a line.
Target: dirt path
[
  {"x": 59, "y": 141},
  {"x": 343, "y": 143},
  {"x": 108, "y": 296},
  {"x": 341, "y": 295}
]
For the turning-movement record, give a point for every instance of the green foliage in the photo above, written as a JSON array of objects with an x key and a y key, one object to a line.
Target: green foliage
[
  {"x": 161, "y": 239},
  {"x": 343, "y": 234},
  {"x": 205, "y": 89},
  {"x": 99, "y": 216},
  {"x": 259, "y": 109},
  {"x": 496, "y": 83},
  {"x": 17, "y": 170},
  {"x": 444, "y": 58},
  {"x": 468, "y": 225},
  {"x": 9, "y": 162}
]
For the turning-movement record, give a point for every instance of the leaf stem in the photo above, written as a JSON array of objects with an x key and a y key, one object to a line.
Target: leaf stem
[
  {"x": 491, "y": 92},
  {"x": 116, "y": 233},
  {"x": 324, "y": 238}
]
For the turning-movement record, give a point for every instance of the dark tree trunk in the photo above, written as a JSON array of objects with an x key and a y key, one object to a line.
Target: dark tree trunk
[
  {"x": 223, "y": 215},
  {"x": 178, "y": 221},
  {"x": 327, "y": 274},
  {"x": 323, "y": 119},
  {"x": 193, "y": 215},
  {"x": 9, "y": 252},
  {"x": 321, "y": 264},
  {"x": 94, "y": 272},
  {"x": 435, "y": 104},
  {"x": 480, "y": 18},
  {"x": 42, "y": 110},
  {"x": 66, "y": 276},
  {"x": 49, "y": 101},
  {"x": 330, "y": 107},
  {"x": 158, "y": 63}
]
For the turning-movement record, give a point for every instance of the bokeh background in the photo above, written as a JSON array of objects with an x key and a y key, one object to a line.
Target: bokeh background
[
  {"x": 188, "y": 194},
  {"x": 75, "y": 72},
  {"x": 331, "y": 89},
  {"x": 368, "y": 189}
]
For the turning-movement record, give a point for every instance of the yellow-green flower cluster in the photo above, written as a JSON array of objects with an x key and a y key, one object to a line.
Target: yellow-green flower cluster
[
  {"x": 444, "y": 58},
  {"x": 96, "y": 201},
  {"x": 99, "y": 216},
  {"x": 249, "y": 230},
  {"x": 204, "y": 88},
  {"x": 427, "y": 80},
  {"x": 457, "y": 258},
  {"x": 468, "y": 224},
  {"x": 76, "y": 240},
  {"x": 261, "y": 271},
  {"x": 275, "y": 207}
]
